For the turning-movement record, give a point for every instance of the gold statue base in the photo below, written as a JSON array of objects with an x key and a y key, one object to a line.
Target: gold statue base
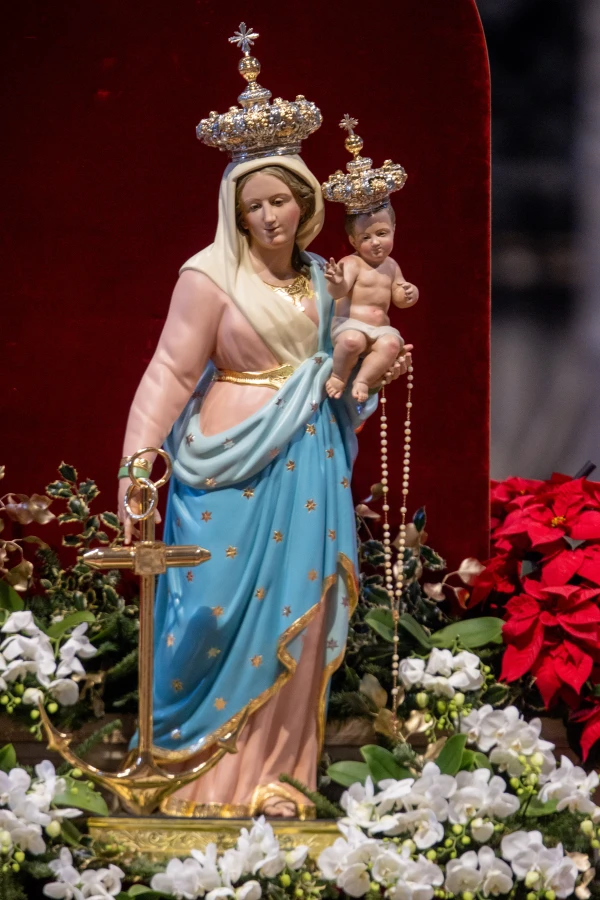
[{"x": 159, "y": 838}]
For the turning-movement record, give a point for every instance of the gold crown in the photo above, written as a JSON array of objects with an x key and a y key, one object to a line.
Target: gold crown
[
  {"x": 364, "y": 189},
  {"x": 257, "y": 127}
]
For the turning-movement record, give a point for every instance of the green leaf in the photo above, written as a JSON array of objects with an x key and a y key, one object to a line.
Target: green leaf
[
  {"x": 111, "y": 520},
  {"x": 69, "y": 473},
  {"x": 71, "y": 540},
  {"x": 382, "y": 764},
  {"x": 376, "y": 594},
  {"x": 78, "y": 507},
  {"x": 432, "y": 560},
  {"x": 88, "y": 489},
  {"x": 481, "y": 761},
  {"x": 415, "y": 630},
  {"x": 497, "y": 693},
  {"x": 71, "y": 621},
  {"x": 471, "y": 633},
  {"x": 380, "y": 620},
  {"x": 535, "y": 807},
  {"x": 9, "y": 598},
  {"x": 420, "y": 519},
  {"x": 70, "y": 833},
  {"x": 450, "y": 757},
  {"x": 79, "y": 795},
  {"x": 528, "y": 567},
  {"x": 8, "y": 758},
  {"x": 59, "y": 489},
  {"x": 348, "y": 772},
  {"x": 136, "y": 889},
  {"x": 467, "y": 762}
]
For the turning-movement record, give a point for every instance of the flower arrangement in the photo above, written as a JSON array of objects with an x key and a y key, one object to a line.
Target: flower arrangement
[
  {"x": 544, "y": 578},
  {"x": 69, "y": 638}
]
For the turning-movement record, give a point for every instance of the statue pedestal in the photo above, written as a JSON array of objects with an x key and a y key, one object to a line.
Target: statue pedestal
[{"x": 159, "y": 837}]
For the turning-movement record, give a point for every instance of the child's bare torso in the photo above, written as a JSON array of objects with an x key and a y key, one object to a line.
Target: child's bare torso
[{"x": 371, "y": 293}]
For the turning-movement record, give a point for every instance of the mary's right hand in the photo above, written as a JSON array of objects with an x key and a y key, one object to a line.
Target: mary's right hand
[{"x": 130, "y": 527}]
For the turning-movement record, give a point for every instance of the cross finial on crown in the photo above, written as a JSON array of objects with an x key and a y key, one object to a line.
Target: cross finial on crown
[
  {"x": 348, "y": 123},
  {"x": 244, "y": 38}
]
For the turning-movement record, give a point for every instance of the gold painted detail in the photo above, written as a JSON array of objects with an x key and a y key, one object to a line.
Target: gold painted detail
[
  {"x": 213, "y": 652},
  {"x": 344, "y": 482},
  {"x": 206, "y": 516},
  {"x": 256, "y": 661},
  {"x": 286, "y": 611},
  {"x": 220, "y": 703},
  {"x": 177, "y": 684},
  {"x": 310, "y": 505},
  {"x": 206, "y": 823},
  {"x": 248, "y": 493},
  {"x": 311, "y": 429},
  {"x": 312, "y": 575},
  {"x": 217, "y": 611},
  {"x": 277, "y": 537},
  {"x": 190, "y": 576},
  {"x": 260, "y": 593},
  {"x": 330, "y": 453},
  {"x": 273, "y": 378},
  {"x": 170, "y": 640},
  {"x": 231, "y": 552},
  {"x": 210, "y": 482},
  {"x": 290, "y": 465},
  {"x": 300, "y": 288},
  {"x": 331, "y": 534}
]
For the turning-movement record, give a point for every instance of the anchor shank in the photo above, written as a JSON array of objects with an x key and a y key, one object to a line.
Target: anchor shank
[{"x": 146, "y": 652}]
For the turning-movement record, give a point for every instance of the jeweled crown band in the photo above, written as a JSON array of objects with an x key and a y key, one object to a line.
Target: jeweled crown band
[
  {"x": 362, "y": 189},
  {"x": 258, "y": 128}
]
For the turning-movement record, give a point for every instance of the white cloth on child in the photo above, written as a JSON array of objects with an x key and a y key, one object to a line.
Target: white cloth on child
[{"x": 372, "y": 332}]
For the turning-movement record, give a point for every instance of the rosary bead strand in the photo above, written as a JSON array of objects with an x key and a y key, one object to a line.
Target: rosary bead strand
[{"x": 395, "y": 586}]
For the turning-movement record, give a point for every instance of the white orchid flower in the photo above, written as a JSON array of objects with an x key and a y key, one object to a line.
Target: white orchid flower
[
  {"x": 20, "y": 621},
  {"x": 181, "y": 879},
  {"x": 438, "y": 685},
  {"x": 64, "y": 690},
  {"x": 571, "y": 786},
  {"x": 440, "y": 662},
  {"x": 411, "y": 671},
  {"x": 497, "y": 875},
  {"x": 99, "y": 883},
  {"x": 463, "y": 874}
]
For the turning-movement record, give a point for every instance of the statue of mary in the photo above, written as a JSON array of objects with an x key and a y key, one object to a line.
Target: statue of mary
[{"x": 263, "y": 458}]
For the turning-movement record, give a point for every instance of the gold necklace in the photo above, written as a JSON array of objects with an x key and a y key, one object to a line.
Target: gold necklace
[{"x": 300, "y": 287}]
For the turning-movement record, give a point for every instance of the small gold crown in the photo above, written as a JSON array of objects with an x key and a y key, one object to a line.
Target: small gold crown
[
  {"x": 257, "y": 127},
  {"x": 364, "y": 189}
]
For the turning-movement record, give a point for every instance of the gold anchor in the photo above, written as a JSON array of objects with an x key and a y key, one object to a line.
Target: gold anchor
[{"x": 142, "y": 784}]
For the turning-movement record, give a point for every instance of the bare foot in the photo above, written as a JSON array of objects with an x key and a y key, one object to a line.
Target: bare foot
[
  {"x": 280, "y": 807},
  {"x": 360, "y": 391},
  {"x": 335, "y": 387}
]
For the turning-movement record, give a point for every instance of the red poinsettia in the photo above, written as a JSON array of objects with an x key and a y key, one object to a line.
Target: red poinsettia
[
  {"x": 591, "y": 729},
  {"x": 561, "y": 510},
  {"x": 554, "y": 633}
]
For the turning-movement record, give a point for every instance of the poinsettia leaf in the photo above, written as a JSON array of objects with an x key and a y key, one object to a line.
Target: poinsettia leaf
[
  {"x": 382, "y": 764},
  {"x": 471, "y": 633},
  {"x": 537, "y": 808},
  {"x": 348, "y": 772},
  {"x": 450, "y": 758}
]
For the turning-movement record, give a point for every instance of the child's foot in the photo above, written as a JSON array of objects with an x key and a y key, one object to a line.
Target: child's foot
[
  {"x": 360, "y": 391},
  {"x": 335, "y": 387}
]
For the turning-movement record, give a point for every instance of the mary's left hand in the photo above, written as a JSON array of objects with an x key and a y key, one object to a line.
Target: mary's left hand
[{"x": 400, "y": 367}]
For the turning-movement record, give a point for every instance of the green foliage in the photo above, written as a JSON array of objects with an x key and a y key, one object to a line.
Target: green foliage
[
  {"x": 470, "y": 633},
  {"x": 382, "y": 763},
  {"x": 348, "y": 772},
  {"x": 325, "y": 809},
  {"x": 8, "y": 758},
  {"x": 11, "y": 887},
  {"x": 78, "y": 793},
  {"x": 9, "y": 598},
  {"x": 451, "y": 754}
]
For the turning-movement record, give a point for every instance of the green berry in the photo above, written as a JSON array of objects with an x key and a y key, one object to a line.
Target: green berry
[
  {"x": 459, "y": 699},
  {"x": 306, "y": 876},
  {"x": 4, "y": 699},
  {"x": 468, "y": 895},
  {"x": 299, "y": 892},
  {"x": 427, "y": 717},
  {"x": 52, "y": 708},
  {"x": 34, "y": 714},
  {"x": 457, "y": 829},
  {"x": 53, "y": 829},
  {"x": 422, "y": 700},
  {"x": 514, "y": 783},
  {"x": 285, "y": 880},
  {"x": 532, "y": 896},
  {"x": 76, "y": 773},
  {"x": 532, "y": 879},
  {"x": 375, "y": 886},
  {"x": 431, "y": 855},
  {"x": 595, "y": 844},
  {"x": 15, "y": 867},
  {"x": 448, "y": 842},
  {"x": 587, "y": 827},
  {"x": 441, "y": 706},
  {"x": 19, "y": 690},
  {"x": 466, "y": 840},
  {"x": 17, "y": 701},
  {"x": 550, "y": 895},
  {"x": 20, "y": 856},
  {"x": 453, "y": 854}
]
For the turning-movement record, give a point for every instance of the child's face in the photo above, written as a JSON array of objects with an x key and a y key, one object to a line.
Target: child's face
[{"x": 373, "y": 237}]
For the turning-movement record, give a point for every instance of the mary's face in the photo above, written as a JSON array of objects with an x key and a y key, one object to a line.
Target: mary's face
[{"x": 270, "y": 212}]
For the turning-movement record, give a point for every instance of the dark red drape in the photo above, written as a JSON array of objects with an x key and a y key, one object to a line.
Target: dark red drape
[{"x": 108, "y": 192}]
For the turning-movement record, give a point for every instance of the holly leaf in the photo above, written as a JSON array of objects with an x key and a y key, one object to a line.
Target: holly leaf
[
  {"x": 432, "y": 560},
  {"x": 69, "y": 473},
  {"x": 111, "y": 520}
]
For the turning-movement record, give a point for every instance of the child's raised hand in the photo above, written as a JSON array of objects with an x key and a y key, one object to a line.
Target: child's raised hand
[{"x": 334, "y": 272}]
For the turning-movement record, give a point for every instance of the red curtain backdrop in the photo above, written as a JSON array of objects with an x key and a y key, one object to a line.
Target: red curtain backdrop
[{"x": 107, "y": 192}]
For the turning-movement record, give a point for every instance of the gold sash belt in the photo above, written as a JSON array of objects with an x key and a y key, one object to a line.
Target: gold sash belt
[{"x": 273, "y": 378}]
